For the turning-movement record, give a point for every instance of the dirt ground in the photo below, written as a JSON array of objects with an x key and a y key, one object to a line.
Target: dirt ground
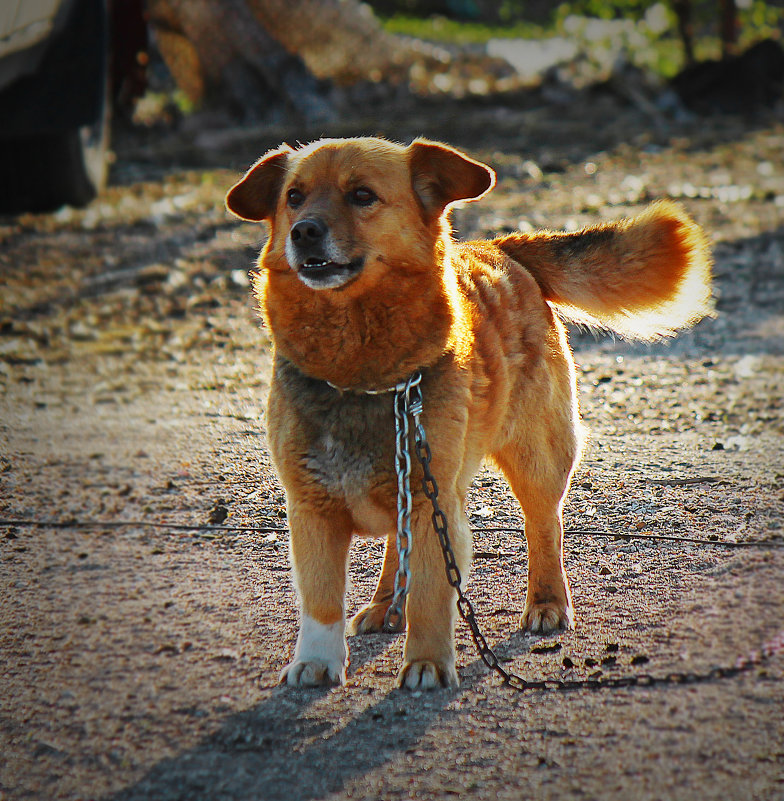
[{"x": 140, "y": 661}]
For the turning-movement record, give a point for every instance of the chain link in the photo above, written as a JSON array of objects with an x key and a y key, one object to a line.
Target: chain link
[{"x": 409, "y": 401}]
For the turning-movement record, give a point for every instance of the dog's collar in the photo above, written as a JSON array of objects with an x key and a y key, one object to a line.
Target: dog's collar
[
  {"x": 403, "y": 386},
  {"x": 357, "y": 391}
]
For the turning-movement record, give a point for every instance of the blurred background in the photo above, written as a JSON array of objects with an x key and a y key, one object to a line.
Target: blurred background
[{"x": 76, "y": 75}]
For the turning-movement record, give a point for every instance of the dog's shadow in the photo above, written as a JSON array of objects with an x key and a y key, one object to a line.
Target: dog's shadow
[{"x": 287, "y": 748}]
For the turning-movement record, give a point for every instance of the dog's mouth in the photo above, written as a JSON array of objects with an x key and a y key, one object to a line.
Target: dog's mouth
[{"x": 323, "y": 274}]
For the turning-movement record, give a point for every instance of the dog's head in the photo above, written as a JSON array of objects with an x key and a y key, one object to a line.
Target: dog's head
[{"x": 344, "y": 209}]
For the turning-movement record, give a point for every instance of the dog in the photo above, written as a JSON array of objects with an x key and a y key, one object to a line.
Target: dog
[{"x": 361, "y": 283}]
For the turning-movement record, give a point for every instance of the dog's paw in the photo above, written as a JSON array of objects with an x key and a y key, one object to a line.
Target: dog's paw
[
  {"x": 370, "y": 619},
  {"x": 313, "y": 673},
  {"x": 424, "y": 675},
  {"x": 546, "y": 617}
]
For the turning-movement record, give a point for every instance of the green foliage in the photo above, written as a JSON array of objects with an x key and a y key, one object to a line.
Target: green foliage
[
  {"x": 762, "y": 16},
  {"x": 599, "y": 9},
  {"x": 441, "y": 29},
  {"x": 628, "y": 9},
  {"x": 537, "y": 18},
  {"x": 651, "y": 43}
]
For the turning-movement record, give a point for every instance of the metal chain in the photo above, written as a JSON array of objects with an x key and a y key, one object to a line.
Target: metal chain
[{"x": 408, "y": 402}]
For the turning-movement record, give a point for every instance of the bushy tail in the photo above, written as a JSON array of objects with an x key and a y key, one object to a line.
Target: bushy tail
[{"x": 644, "y": 277}]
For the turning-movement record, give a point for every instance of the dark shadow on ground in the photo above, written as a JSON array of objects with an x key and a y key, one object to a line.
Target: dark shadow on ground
[
  {"x": 278, "y": 750},
  {"x": 286, "y": 748}
]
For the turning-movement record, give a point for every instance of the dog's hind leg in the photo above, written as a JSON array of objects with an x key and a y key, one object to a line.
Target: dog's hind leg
[
  {"x": 370, "y": 617},
  {"x": 541, "y": 491},
  {"x": 538, "y": 457}
]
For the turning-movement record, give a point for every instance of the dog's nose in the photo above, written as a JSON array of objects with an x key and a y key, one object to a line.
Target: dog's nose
[{"x": 308, "y": 231}]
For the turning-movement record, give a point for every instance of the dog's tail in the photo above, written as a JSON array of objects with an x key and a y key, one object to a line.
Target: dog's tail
[{"x": 644, "y": 277}]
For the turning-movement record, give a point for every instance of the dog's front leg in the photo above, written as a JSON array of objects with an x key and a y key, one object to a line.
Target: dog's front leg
[
  {"x": 319, "y": 552},
  {"x": 429, "y": 654}
]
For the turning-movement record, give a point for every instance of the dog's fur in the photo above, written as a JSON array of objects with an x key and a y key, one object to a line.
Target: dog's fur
[{"x": 361, "y": 283}]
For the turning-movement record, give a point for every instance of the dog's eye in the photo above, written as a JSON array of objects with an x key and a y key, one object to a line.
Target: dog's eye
[
  {"x": 362, "y": 196},
  {"x": 294, "y": 198}
]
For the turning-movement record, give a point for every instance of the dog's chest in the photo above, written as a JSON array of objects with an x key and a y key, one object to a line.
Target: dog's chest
[
  {"x": 348, "y": 445},
  {"x": 342, "y": 463}
]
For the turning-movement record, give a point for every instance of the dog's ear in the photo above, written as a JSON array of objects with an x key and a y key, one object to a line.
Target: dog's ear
[
  {"x": 442, "y": 175},
  {"x": 256, "y": 195}
]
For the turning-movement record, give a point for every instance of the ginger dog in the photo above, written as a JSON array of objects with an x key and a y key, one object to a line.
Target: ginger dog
[{"x": 361, "y": 283}]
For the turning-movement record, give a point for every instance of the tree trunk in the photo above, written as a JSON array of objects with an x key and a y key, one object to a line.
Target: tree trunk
[
  {"x": 221, "y": 55},
  {"x": 685, "y": 28},
  {"x": 339, "y": 40},
  {"x": 729, "y": 28}
]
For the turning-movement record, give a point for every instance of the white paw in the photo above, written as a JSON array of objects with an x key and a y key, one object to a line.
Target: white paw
[
  {"x": 320, "y": 657},
  {"x": 313, "y": 673},
  {"x": 424, "y": 675}
]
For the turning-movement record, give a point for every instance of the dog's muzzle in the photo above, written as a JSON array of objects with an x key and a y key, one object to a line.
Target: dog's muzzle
[{"x": 311, "y": 251}]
